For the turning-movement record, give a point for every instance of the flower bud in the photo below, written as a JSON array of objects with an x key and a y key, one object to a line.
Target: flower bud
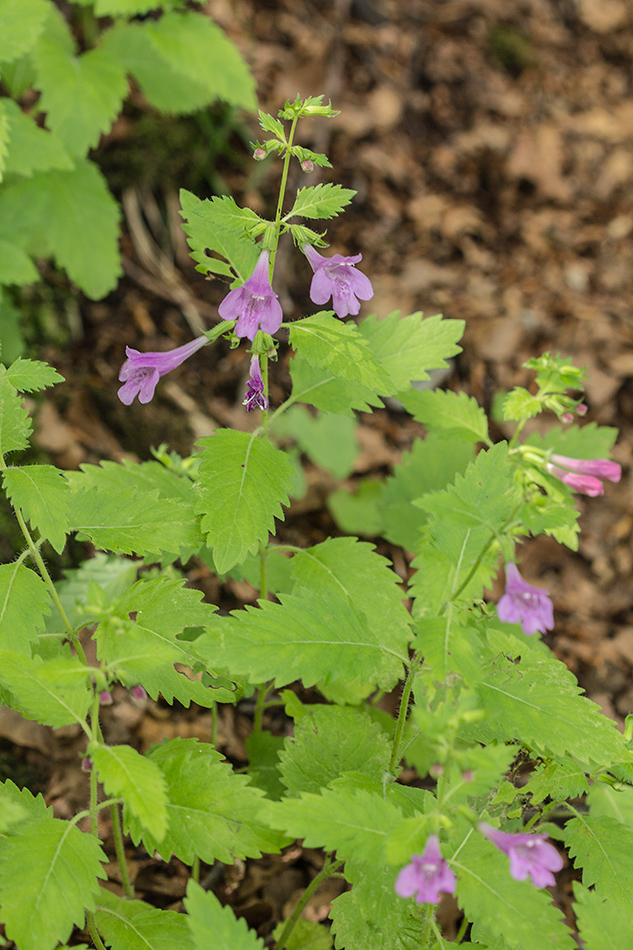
[
  {"x": 581, "y": 409},
  {"x": 86, "y": 764},
  {"x": 138, "y": 692},
  {"x": 105, "y": 698},
  {"x": 567, "y": 417},
  {"x": 307, "y": 165},
  {"x": 259, "y": 154}
]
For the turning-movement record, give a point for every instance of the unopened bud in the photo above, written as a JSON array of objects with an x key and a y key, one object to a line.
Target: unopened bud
[
  {"x": 139, "y": 692},
  {"x": 468, "y": 775},
  {"x": 581, "y": 409},
  {"x": 86, "y": 764},
  {"x": 567, "y": 417},
  {"x": 307, "y": 165},
  {"x": 105, "y": 698},
  {"x": 259, "y": 154},
  {"x": 437, "y": 770}
]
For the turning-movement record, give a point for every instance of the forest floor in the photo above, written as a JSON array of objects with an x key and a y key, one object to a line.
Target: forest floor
[{"x": 490, "y": 145}]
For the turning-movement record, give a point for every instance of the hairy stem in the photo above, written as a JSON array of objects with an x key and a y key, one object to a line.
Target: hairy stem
[
  {"x": 282, "y": 194},
  {"x": 92, "y": 930},
  {"x": 326, "y": 871},
  {"x": 117, "y": 833},
  {"x": 402, "y": 712}
]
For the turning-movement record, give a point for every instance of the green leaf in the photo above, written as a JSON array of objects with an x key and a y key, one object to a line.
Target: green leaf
[
  {"x": 127, "y": 7},
  {"x": 135, "y": 925},
  {"x": 521, "y": 404},
  {"x": 21, "y": 22},
  {"x": 605, "y": 801},
  {"x": 326, "y": 391},
  {"x": 12, "y": 342},
  {"x": 50, "y": 868},
  {"x": 457, "y": 415},
  {"x": 24, "y": 601},
  {"x": 81, "y": 95},
  {"x": 328, "y": 742},
  {"x": 305, "y": 935},
  {"x": 320, "y": 201},
  {"x": 110, "y": 573},
  {"x": 357, "y": 512},
  {"x": 409, "y": 346},
  {"x": 602, "y": 923},
  {"x": 561, "y": 781},
  {"x": 263, "y": 751},
  {"x": 135, "y": 476},
  {"x": 41, "y": 494},
  {"x": 53, "y": 692},
  {"x": 32, "y": 806},
  {"x": 212, "y": 812},
  {"x": 194, "y": 47},
  {"x": 15, "y": 425},
  {"x": 242, "y": 482},
  {"x": 213, "y": 925},
  {"x": 220, "y": 226},
  {"x": 329, "y": 440},
  {"x": 372, "y": 917},
  {"x": 137, "y": 780},
  {"x": 589, "y": 441},
  {"x": 309, "y": 637},
  {"x": 603, "y": 848},
  {"x": 450, "y": 564},
  {"x": 16, "y": 267},
  {"x": 336, "y": 347},
  {"x": 29, "y": 376}
]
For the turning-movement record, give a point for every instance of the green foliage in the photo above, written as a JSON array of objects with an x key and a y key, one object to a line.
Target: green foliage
[
  {"x": 603, "y": 848},
  {"x": 263, "y": 751},
  {"x": 58, "y": 871},
  {"x": 40, "y": 493},
  {"x": 360, "y": 920},
  {"x": 135, "y": 925},
  {"x": 24, "y": 602},
  {"x": 242, "y": 482},
  {"x": 127, "y": 774},
  {"x": 306, "y": 935},
  {"x": 590, "y": 441},
  {"x": 29, "y": 376},
  {"x": 15, "y": 425},
  {"x": 457, "y": 415},
  {"x": 215, "y": 225},
  {"x": 213, "y": 925},
  {"x": 55, "y": 692},
  {"x": 602, "y": 923},
  {"x": 329, "y": 440},
  {"x": 320, "y": 201},
  {"x": 324, "y": 390},
  {"x": 21, "y": 23}
]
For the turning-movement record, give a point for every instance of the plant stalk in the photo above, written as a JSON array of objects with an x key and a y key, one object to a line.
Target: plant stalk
[
  {"x": 326, "y": 871},
  {"x": 119, "y": 847}
]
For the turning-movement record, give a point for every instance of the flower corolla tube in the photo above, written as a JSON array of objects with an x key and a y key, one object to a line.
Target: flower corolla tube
[
  {"x": 530, "y": 855},
  {"x": 426, "y": 875},
  {"x": 255, "y": 396},
  {"x": 583, "y": 475},
  {"x": 254, "y": 305},
  {"x": 522, "y": 603},
  {"x": 337, "y": 277},
  {"x": 141, "y": 371}
]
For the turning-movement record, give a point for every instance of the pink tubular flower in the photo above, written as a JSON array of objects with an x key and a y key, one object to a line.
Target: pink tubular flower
[
  {"x": 255, "y": 395},
  {"x": 583, "y": 475},
  {"x": 337, "y": 277},
  {"x": 524, "y": 604},
  {"x": 141, "y": 371},
  {"x": 254, "y": 305},
  {"x": 426, "y": 876},
  {"x": 530, "y": 855}
]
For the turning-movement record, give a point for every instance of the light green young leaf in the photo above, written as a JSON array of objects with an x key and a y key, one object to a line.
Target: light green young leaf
[
  {"x": 139, "y": 477},
  {"x": 320, "y": 201},
  {"x": 21, "y": 22},
  {"x": 5, "y": 138},
  {"x": 327, "y": 391},
  {"x": 29, "y": 376},
  {"x": 409, "y": 346},
  {"x": 32, "y": 806},
  {"x": 214, "y": 225},
  {"x": 521, "y": 404},
  {"x": 128, "y": 7},
  {"x": 15, "y": 424},
  {"x": 242, "y": 482},
  {"x": 213, "y": 925},
  {"x": 211, "y": 811},
  {"x": 111, "y": 573},
  {"x": 53, "y": 692},
  {"x": 603, "y": 924},
  {"x": 48, "y": 876},
  {"x": 562, "y": 780},
  {"x": 456, "y": 414},
  {"x": 605, "y": 801},
  {"x": 135, "y": 925},
  {"x": 603, "y": 848},
  {"x": 137, "y": 780},
  {"x": 328, "y": 742},
  {"x": 24, "y": 602},
  {"x": 448, "y": 555},
  {"x": 336, "y": 347},
  {"x": 308, "y": 637},
  {"x": 41, "y": 494}
]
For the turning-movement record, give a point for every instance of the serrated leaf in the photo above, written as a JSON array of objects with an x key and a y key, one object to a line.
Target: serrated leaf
[
  {"x": 602, "y": 923},
  {"x": 24, "y": 602},
  {"x": 127, "y": 7},
  {"x": 603, "y": 848},
  {"x": 28, "y": 376},
  {"x": 112, "y": 574},
  {"x": 137, "y": 780},
  {"x": 51, "y": 868},
  {"x": 219, "y": 225},
  {"x": 374, "y": 919},
  {"x": 137, "y": 476},
  {"x": 270, "y": 124},
  {"x": 81, "y": 95},
  {"x": 409, "y": 346},
  {"x": 135, "y": 925},
  {"x": 589, "y": 441},
  {"x": 305, "y": 935},
  {"x": 608, "y": 802},
  {"x": 520, "y": 404},
  {"x": 53, "y": 692},
  {"x": 320, "y": 201},
  {"x": 450, "y": 563},
  {"x": 213, "y": 925},
  {"x": 263, "y": 750},
  {"x": 15, "y": 424},
  {"x": 18, "y": 805},
  {"x": 327, "y": 343},
  {"x": 329, "y": 741},
  {"x": 562, "y": 780},
  {"x": 16, "y": 267},
  {"x": 41, "y": 494},
  {"x": 21, "y": 22},
  {"x": 328, "y": 392},
  {"x": 457, "y": 415},
  {"x": 242, "y": 482},
  {"x": 308, "y": 637},
  {"x": 212, "y": 812}
]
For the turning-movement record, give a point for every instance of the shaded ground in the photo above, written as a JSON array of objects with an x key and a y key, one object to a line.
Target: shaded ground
[{"x": 491, "y": 152}]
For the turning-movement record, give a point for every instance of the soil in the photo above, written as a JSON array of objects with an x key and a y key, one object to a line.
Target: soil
[{"x": 490, "y": 147}]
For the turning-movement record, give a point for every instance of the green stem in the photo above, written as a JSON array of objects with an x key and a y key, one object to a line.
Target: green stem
[
  {"x": 436, "y": 931},
  {"x": 262, "y": 693},
  {"x": 328, "y": 869},
  {"x": 195, "y": 869},
  {"x": 282, "y": 194},
  {"x": 402, "y": 712},
  {"x": 119, "y": 847},
  {"x": 214, "y": 725},
  {"x": 92, "y": 930},
  {"x": 263, "y": 576}
]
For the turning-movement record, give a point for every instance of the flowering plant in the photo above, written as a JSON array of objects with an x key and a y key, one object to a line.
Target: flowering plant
[{"x": 503, "y": 755}]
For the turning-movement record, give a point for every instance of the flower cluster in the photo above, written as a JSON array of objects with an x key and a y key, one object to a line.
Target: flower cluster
[
  {"x": 522, "y": 603},
  {"x": 583, "y": 475}
]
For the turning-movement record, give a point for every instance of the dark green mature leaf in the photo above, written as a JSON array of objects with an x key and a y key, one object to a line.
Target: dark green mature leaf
[
  {"x": 220, "y": 225},
  {"x": 137, "y": 780},
  {"x": 331, "y": 345},
  {"x": 21, "y": 22},
  {"x": 320, "y": 201},
  {"x": 213, "y": 925},
  {"x": 15, "y": 425},
  {"x": 242, "y": 482},
  {"x": 372, "y": 917},
  {"x": 603, "y": 848},
  {"x": 328, "y": 742},
  {"x": 48, "y": 875},
  {"x": 457, "y": 415},
  {"x": 326, "y": 391},
  {"x": 603, "y": 924},
  {"x": 53, "y": 692},
  {"x": 135, "y": 925},
  {"x": 41, "y": 493},
  {"x": 263, "y": 751},
  {"x": 24, "y": 601},
  {"x": 28, "y": 376},
  {"x": 212, "y": 812},
  {"x": 308, "y": 637}
]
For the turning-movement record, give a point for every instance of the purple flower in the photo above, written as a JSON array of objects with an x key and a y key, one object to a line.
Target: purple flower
[
  {"x": 254, "y": 305},
  {"x": 139, "y": 692},
  {"x": 524, "y": 604},
  {"x": 583, "y": 475},
  {"x": 105, "y": 698},
  {"x": 530, "y": 855},
  {"x": 255, "y": 395},
  {"x": 337, "y": 277},
  {"x": 426, "y": 876},
  {"x": 141, "y": 371}
]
